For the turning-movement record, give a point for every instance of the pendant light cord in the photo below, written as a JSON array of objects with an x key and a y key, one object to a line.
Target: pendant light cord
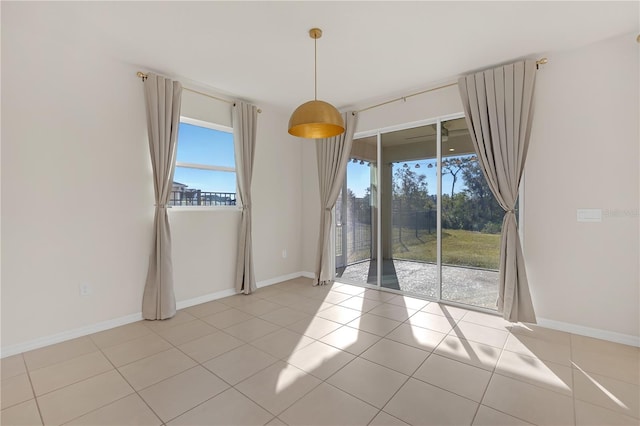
[{"x": 315, "y": 70}]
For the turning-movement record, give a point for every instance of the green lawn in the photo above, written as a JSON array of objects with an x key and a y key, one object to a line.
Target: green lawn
[{"x": 459, "y": 247}]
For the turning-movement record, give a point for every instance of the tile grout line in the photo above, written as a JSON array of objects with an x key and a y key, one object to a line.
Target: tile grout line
[
  {"x": 96, "y": 349},
  {"x": 130, "y": 385},
  {"x": 520, "y": 381},
  {"x": 573, "y": 385},
  {"x": 35, "y": 397},
  {"x": 290, "y": 405},
  {"x": 398, "y": 390},
  {"x": 81, "y": 380},
  {"x": 144, "y": 357},
  {"x": 141, "y": 322},
  {"x": 493, "y": 372},
  {"x": 102, "y": 406},
  {"x": 403, "y": 344}
]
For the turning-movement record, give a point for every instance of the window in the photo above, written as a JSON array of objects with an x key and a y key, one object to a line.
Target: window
[{"x": 205, "y": 172}]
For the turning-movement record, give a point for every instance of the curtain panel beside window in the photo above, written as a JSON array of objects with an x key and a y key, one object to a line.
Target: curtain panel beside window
[
  {"x": 245, "y": 118},
  {"x": 498, "y": 105},
  {"x": 332, "y": 157},
  {"x": 162, "y": 99}
]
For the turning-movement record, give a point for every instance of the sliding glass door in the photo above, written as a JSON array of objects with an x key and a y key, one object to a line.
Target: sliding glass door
[{"x": 437, "y": 229}]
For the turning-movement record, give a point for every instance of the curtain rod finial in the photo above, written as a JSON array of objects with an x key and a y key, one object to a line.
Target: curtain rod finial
[{"x": 142, "y": 75}]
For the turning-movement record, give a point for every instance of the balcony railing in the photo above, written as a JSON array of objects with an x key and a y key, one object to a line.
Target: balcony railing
[{"x": 202, "y": 198}]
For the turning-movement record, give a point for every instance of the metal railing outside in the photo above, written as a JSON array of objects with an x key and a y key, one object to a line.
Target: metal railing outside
[{"x": 202, "y": 198}]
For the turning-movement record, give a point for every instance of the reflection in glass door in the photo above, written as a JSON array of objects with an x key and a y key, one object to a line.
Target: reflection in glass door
[{"x": 439, "y": 225}]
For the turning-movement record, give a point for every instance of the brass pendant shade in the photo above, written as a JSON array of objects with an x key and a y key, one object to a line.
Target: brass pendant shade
[{"x": 316, "y": 119}]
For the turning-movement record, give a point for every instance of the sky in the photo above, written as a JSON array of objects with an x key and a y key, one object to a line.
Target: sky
[
  {"x": 205, "y": 146},
  {"x": 359, "y": 179}
]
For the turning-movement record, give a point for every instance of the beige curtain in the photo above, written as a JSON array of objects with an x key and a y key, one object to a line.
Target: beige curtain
[
  {"x": 245, "y": 118},
  {"x": 162, "y": 98},
  {"x": 332, "y": 156},
  {"x": 498, "y": 104}
]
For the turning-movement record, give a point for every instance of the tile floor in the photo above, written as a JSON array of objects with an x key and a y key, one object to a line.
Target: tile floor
[{"x": 293, "y": 354}]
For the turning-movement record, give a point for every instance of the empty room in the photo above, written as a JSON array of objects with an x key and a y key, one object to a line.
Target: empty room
[{"x": 320, "y": 213}]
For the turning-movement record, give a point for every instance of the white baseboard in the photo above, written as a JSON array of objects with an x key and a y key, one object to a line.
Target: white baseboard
[
  {"x": 127, "y": 319},
  {"x": 612, "y": 336},
  {"x": 68, "y": 335},
  {"x": 281, "y": 278},
  {"x": 205, "y": 298}
]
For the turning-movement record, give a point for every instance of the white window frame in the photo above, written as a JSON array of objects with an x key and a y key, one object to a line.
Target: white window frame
[{"x": 212, "y": 126}]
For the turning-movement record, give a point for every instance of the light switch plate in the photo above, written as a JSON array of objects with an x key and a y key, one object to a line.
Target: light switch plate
[{"x": 589, "y": 215}]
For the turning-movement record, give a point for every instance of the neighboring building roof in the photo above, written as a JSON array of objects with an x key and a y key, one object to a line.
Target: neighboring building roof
[{"x": 180, "y": 184}]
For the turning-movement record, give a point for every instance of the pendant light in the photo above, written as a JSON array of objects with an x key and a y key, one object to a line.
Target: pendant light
[{"x": 316, "y": 119}]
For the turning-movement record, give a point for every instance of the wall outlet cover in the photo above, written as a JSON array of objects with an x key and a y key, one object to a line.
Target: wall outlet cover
[{"x": 589, "y": 215}]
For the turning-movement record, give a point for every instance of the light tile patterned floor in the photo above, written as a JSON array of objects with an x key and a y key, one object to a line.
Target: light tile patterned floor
[{"x": 293, "y": 354}]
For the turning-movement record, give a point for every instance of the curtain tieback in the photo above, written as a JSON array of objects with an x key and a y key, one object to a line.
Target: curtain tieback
[
  {"x": 510, "y": 211},
  {"x": 328, "y": 209},
  {"x": 246, "y": 207}
]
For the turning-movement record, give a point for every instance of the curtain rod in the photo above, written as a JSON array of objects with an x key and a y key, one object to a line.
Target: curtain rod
[
  {"x": 539, "y": 62},
  {"x": 143, "y": 76}
]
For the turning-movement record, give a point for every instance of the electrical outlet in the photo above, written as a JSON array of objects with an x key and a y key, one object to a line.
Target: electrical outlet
[
  {"x": 284, "y": 253},
  {"x": 85, "y": 289}
]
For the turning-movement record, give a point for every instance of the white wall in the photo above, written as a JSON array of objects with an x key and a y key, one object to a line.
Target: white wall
[
  {"x": 277, "y": 196},
  {"x": 77, "y": 193},
  {"x": 76, "y": 201},
  {"x": 204, "y": 245},
  {"x": 310, "y": 206},
  {"x": 204, "y": 108},
  {"x": 584, "y": 154}
]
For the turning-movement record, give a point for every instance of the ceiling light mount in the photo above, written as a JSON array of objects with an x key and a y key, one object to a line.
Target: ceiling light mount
[
  {"x": 315, "y": 33},
  {"x": 316, "y": 119}
]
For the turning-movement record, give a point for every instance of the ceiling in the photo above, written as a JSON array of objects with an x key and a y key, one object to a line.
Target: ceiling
[{"x": 261, "y": 51}]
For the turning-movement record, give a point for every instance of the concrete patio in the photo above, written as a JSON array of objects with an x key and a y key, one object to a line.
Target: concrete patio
[{"x": 471, "y": 286}]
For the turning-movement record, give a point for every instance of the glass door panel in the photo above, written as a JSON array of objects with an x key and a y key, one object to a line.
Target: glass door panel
[
  {"x": 356, "y": 216},
  {"x": 471, "y": 221},
  {"x": 409, "y": 199}
]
